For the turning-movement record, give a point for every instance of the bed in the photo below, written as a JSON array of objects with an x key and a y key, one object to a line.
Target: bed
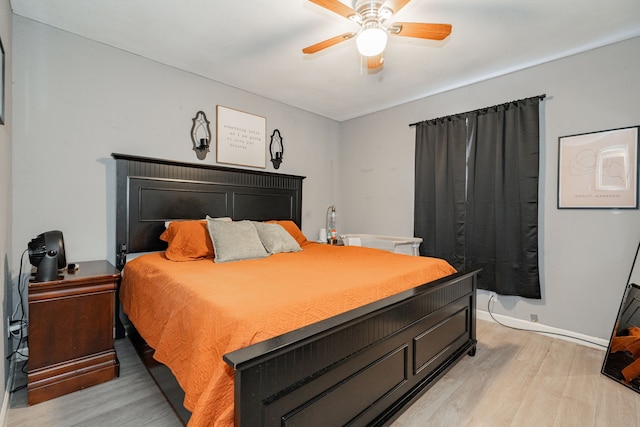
[{"x": 362, "y": 366}]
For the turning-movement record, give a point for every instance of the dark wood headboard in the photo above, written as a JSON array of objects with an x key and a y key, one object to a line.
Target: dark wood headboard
[{"x": 152, "y": 191}]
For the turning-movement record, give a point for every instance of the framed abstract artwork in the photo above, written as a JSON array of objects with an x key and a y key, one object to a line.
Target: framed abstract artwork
[{"x": 599, "y": 170}]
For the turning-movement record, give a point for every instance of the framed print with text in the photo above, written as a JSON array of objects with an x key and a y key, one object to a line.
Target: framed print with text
[
  {"x": 241, "y": 138},
  {"x": 599, "y": 170}
]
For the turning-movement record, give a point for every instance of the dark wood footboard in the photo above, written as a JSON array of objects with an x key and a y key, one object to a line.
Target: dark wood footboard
[{"x": 359, "y": 368}]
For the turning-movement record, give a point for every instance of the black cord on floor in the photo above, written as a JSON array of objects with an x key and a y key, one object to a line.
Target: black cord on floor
[
  {"x": 23, "y": 324},
  {"x": 537, "y": 331},
  {"x": 20, "y": 387}
]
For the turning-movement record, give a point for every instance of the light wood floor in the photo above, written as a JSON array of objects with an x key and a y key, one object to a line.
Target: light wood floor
[
  {"x": 521, "y": 379},
  {"x": 516, "y": 379},
  {"x": 132, "y": 399}
]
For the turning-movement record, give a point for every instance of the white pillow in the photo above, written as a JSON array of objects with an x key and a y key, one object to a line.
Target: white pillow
[
  {"x": 234, "y": 241},
  {"x": 275, "y": 238}
]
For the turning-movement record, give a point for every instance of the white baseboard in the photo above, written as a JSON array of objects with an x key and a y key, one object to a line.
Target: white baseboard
[
  {"x": 4, "y": 411},
  {"x": 585, "y": 340}
]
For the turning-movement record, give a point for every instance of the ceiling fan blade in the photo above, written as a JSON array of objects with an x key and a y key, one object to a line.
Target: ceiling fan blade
[
  {"x": 395, "y": 5},
  {"x": 421, "y": 30},
  {"x": 336, "y": 7},
  {"x": 374, "y": 62},
  {"x": 327, "y": 43}
]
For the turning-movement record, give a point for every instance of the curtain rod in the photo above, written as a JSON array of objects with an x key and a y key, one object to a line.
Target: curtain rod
[{"x": 539, "y": 97}]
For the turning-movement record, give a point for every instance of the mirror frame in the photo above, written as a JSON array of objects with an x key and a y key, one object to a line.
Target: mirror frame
[{"x": 620, "y": 352}]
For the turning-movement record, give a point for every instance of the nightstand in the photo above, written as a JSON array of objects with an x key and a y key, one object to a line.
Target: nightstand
[{"x": 71, "y": 331}]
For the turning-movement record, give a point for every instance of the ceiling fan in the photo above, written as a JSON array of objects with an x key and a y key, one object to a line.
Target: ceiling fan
[{"x": 371, "y": 38}]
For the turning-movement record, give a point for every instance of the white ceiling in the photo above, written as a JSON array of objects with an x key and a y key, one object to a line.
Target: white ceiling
[{"x": 256, "y": 45}]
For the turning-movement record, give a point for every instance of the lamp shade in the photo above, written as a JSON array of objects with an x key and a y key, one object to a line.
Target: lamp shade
[{"x": 371, "y": 41}]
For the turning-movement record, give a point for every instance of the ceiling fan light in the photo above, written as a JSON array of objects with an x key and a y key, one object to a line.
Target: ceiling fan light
[{"x": 371, "y": 41}]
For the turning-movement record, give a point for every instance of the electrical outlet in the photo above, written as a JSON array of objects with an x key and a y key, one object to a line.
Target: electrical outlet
[
  {"x": 534, "y": 318},
  {"x": 13, "y": 327},
  {"x": 493, "y": 297}
]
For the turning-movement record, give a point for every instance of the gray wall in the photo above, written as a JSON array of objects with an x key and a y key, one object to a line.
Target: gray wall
[
  {"x": 5, "y": 188},
  {"x": 586, "y": 255},
  {"x": 78, "y": 101}
]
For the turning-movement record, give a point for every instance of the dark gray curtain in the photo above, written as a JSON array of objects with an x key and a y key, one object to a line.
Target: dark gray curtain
[
  {"x": 440, "y": 188},
  {"x": 495, "y": 227}
]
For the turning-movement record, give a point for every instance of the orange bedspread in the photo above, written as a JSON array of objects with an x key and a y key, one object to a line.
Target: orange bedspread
[{"x": 192, "y": 313}]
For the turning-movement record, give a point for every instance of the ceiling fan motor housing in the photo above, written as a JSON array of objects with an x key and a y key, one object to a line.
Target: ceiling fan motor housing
[{"x": 370, "y": 11}]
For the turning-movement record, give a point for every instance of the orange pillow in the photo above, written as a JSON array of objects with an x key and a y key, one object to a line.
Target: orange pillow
[
  {"x": 188, "y": 241},
  {"x": 293, "y": 229}
]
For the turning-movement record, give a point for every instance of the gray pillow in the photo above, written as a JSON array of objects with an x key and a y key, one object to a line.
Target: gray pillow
[
  {"x": 234, "y": 241},
  {"x": 220, "y": 218},
  {"x": 275, "y": 238}
]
